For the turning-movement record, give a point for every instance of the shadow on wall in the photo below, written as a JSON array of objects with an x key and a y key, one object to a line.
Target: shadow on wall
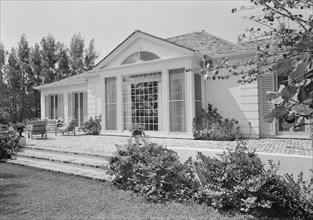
[{"x": 227, "y": 96}]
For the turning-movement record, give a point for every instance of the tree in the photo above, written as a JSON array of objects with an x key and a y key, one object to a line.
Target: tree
[
  {"x": 25, "y": 74},
  {"x": 90, "y": 55},
  {"x": 287, "y": 50},
  {"x": 13, "y": 82},
  {"x": 50, "y": 58},
  {"x": 36, "y": 79},
  {"x": 63, "y": 69},
  {"x": 4, "y": 111},
  {"x": 77, "y": 54}
]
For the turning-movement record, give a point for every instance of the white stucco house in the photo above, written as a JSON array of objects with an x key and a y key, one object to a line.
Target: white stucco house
[{"x": 144, "y": 80}]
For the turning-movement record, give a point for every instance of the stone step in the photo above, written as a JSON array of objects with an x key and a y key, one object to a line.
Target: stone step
[
  {"x": 70, "y": 169},
  {"x": 64, "y": 151},
  {"x": 64, "y": 157}
]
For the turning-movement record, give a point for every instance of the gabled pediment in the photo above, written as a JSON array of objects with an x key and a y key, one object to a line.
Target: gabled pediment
[{"x": 142, "y": 46}]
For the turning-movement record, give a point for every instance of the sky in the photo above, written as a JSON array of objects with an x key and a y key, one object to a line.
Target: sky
[{"x": 110, "y": 22}]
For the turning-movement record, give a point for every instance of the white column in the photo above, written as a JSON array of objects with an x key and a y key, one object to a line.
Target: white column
[
  {"x": 165, "y": 100},
  {"x": 102, "y": 103},
  {"x": 65, "y": 106},
  {"x": 190, "y": 101},
  {"x": 119, "y": 103},
  {"x": 42, "y": 104}
]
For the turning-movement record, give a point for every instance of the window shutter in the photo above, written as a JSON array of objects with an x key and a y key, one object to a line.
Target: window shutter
[
  {"x": 60, "y": 106},
  {"x": 266, "y": 83},
  {"x": 85, "y": 105},
  {"x": 70, "y": 106},
  {"x": 47, "y": 106}
]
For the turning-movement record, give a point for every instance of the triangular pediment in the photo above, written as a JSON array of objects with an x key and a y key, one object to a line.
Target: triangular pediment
[{"x": 140, "y": 41}]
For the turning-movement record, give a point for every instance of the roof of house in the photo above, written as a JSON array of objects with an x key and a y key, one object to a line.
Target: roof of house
[
  {"x": 205, "y": 43},
  {"x": 201, "y": 41},
  {"x": 76, "y": 79}
]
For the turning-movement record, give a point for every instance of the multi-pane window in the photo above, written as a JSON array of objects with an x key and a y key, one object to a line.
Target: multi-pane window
[
  {"x": 142, "y": 101},
  {"x": 177, "y": 100},
  {"x": 110, "y": 103},
  {"x": 198, "y": 96}
]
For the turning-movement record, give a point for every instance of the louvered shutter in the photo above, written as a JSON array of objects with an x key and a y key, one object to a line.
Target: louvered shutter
[
  {"x": 85, "y": 106},
  {"x": 47, "y": 106},
  {"x": 70, "y": 106},
  {"x": 266, "y": 83}
]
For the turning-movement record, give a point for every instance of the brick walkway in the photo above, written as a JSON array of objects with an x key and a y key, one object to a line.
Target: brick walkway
[{"x": 105, "y": 145}]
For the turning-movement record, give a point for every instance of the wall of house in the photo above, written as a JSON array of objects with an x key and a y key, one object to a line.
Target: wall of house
[
  {"x": 61, "y": 90},
  {"x": 94, "y": 94},
  {"x": 237, "y": 101}
]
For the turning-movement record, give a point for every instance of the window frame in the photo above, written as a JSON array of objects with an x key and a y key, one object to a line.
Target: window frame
[{"x": 140, "y": 57}]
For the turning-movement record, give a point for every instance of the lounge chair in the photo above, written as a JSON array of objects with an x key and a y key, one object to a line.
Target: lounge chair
[
  {"x": 38, "y": 128},
  {"x": 67, "y": 128}
]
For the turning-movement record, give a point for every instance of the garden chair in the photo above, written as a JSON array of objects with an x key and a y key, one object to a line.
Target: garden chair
[
  {"x": 38, "y": 128},
  {"x": 51, "y": 125},
  {"x": 68, "y": 128}
]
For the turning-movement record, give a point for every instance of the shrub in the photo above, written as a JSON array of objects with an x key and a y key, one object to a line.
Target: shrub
[
  {"x": 235, "y": 181},
  {"x": 239, "y": 181},
  {"x": 150, "y": 169},
  {"x": 211, "y": 126},
  {"x": 92, "y": 126},
  {"x": 9, "y": 142}
]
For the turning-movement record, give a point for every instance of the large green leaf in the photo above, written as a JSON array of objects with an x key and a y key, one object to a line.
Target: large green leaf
[
  {"x": 284, "y": 67},
  {"x": 298, "y": 74},
  {"x": 272, "y": 95},
  {"x": 278, "y": 112},
  {"x": 302, "y": 109},
  {"x": 288, "y": 92}
]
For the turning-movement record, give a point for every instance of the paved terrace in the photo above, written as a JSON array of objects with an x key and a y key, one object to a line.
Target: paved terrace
[{"x": 105, "y": 144}]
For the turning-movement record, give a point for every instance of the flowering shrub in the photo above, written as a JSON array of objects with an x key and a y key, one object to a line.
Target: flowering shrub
[
  {"x": 150, "y": 169},
  {"x": 211, "y": 126},
  {"x": 9, "y": 142},
  {"x": 92, "y": 126}
]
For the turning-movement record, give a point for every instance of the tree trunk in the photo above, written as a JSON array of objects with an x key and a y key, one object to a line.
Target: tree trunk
[{"x": 311, "y": 131}]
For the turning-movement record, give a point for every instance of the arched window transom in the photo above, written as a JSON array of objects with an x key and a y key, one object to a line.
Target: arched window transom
[{"x": 141, "y": 56}]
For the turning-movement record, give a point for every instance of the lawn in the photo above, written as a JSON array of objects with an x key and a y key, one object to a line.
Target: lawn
[{"x": 27, "y": 193}]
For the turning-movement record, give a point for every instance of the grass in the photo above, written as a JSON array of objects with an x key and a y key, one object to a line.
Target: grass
[{"x": 27, "y": 193}]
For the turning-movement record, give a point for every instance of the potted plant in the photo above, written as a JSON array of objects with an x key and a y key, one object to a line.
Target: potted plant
[
  {"x": 137, "y": 130},
  {"x": 19, "y": 127}
]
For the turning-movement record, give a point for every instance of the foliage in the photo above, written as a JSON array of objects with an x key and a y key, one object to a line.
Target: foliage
[
  {"x": 9, "y": 142},
  {"x": 235, "y": 181},
  {"x": 211, "y": 126},
  {"x": 151, "y": 170},
  {"x": 92, "y": 126},
  {"x": 26, "y": 67},
  {"x": 238, "y": 181}
]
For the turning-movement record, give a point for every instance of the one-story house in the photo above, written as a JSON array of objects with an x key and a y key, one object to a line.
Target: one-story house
[{"x": 145, "y": 80}]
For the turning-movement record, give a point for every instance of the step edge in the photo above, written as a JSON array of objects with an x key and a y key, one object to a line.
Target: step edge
[
  {"x": 66, "y": 152},
  {"x": 20, "y": 163},
  {"x": 62, "y": 161}
]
